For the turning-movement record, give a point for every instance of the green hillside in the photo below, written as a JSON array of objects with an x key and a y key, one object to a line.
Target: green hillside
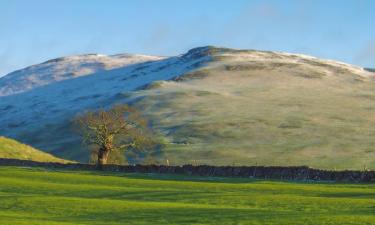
[
  {"x": 14, "y": 150},
  {"x": 250, "y": 107},
  {"x": 38, "y": 196}
]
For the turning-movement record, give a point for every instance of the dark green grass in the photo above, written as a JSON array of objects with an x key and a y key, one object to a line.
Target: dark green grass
[{"x": 39, "y": 196}]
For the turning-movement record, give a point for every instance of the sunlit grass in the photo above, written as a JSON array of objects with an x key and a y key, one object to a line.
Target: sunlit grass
[
  {"x": 39, "y": 196},
  {"x": 266, "y": 116},
  {"x": 15, "y": 150}
]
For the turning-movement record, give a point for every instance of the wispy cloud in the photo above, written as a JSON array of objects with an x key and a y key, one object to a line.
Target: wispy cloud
[{"x": 367, "y": 55}]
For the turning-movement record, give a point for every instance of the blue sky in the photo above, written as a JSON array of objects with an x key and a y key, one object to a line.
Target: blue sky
[{"x": 32, "y": 31}]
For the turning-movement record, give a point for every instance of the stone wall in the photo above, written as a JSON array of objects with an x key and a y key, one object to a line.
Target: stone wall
[{"x": 300, "y": 173}]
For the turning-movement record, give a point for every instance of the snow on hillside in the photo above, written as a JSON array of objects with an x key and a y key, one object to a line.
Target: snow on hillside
[
  {"x": 27, "y": 111},
  {"x": 65, "y": 68},
  {"x": 60, "y": 100},
  {"x": 324, "y": 65},
  {"x": 109, "y": 77}
]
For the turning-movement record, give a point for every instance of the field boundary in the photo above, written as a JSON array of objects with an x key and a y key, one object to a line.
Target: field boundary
[{"x": 299, "y": 173}]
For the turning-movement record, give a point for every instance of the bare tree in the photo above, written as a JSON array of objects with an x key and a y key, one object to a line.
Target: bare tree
[{"x": 117, "y": 129}]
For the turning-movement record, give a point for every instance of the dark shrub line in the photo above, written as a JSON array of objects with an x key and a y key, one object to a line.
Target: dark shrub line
[{"x": 298, "y": 173}]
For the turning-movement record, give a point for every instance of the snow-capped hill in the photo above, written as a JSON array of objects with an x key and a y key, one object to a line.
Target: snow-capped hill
[
  {"x": 59, "y": 101},
  {"x": 217, "y": 105},
  {"x": 66, "y": 68}
]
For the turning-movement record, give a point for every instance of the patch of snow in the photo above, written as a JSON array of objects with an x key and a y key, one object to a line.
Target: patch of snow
[
  {"x": 304, "y": 60},
  {"x": 66, "y": 68},
  {"x": 58, "y": 101}
]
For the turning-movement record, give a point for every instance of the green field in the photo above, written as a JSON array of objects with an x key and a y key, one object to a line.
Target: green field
[{"x": 39, "y": 196}]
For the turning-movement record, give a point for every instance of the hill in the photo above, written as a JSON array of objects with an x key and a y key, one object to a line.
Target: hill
[
  {"x": 65, "y": 68},
  {"x": 218, "y": 106},
  {"x": 14, "y": 150},
  {"x": 37, "y": 196},
  {"x": 265, "y": 108}
]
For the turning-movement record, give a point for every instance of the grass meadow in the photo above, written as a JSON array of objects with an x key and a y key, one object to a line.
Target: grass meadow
[{"x": 39, "y": 196}]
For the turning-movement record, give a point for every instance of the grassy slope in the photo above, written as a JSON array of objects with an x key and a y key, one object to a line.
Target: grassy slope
[
  {"x": 32, "y": 196},
  {"x": 12, "y": 149},
  {"x": 269, "y": 114}
]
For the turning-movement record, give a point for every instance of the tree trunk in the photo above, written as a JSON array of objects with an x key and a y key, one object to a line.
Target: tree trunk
[{"x": 102, "y": 157}]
